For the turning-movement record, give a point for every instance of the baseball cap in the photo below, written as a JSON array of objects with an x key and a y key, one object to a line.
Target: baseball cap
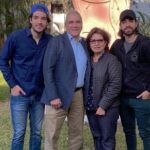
[
  {"x": 39, "y": 7},
  {"x": 128, "y": 13}
]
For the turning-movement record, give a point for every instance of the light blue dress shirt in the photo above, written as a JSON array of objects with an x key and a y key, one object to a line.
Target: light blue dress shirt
[{"x": 80, "y": 58}]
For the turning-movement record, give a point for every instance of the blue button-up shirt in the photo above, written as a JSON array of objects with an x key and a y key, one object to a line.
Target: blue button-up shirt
[
  {"x": 21, "y": 61},
  {"x": 80, "y": 58}
]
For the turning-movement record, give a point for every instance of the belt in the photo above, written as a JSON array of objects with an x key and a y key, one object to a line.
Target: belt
[{"x": 77, "y": 89}]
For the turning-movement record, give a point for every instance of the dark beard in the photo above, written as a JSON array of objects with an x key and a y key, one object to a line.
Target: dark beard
[{"x": 130, "y": 32}]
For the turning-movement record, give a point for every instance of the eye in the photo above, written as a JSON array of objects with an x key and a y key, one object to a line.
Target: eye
[
  {"x": 70, "y": 22},
  {"x": 44, "y": 18},
  {"x": 94, "y": 41},
  {"x": 35, "y": 17}
]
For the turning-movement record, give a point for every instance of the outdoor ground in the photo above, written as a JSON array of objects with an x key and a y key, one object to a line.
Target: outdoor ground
[{"x": 5, "y": 128}]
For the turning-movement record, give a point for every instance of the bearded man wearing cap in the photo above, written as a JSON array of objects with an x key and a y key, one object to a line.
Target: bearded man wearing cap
[
  {"x": 133, "y": 51},
  {"x": 21, "y": 64}
]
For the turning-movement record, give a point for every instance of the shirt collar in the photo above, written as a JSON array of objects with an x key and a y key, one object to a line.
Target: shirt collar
[
  {"x": 72, "y": 38},
  {"x": 28, "y": 31}
]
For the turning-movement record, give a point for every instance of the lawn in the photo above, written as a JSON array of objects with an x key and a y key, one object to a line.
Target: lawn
[
  {"x": 5, "y": 128},
  {"x": 4, "y": 90}
]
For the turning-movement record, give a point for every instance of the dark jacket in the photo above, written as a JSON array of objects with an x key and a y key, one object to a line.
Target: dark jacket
[
  {"x": 21, "y": 61},
  {"x": 135, "y": 64},
  {"x": 60, "y": 72},
  {"x": 106, "y": 82}
]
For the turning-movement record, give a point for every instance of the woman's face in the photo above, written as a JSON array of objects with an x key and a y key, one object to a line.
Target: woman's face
[{"x": 97, "y": 43}]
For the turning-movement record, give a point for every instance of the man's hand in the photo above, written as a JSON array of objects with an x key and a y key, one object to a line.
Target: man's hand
[
  {"x": 100, "y": 111},
  {"x": 17, "y": 90},
  {"x": 56, "y": 103},
  {"x": 144, "y": 95}
]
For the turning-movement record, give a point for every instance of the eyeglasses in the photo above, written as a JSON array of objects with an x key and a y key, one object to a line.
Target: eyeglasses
[{"x": 94, "y": 41}]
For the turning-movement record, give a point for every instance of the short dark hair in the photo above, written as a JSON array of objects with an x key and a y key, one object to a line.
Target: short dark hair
[{"x": 103, "y": 33}]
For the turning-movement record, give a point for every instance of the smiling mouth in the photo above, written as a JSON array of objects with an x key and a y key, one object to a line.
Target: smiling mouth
[
  {"x": 97, "y": 47},
  {"x": 128, "y": 28},
  {"x": 75, "y": 30},
  {"x": 39, "y": 26},
  {"x": 96, "y": 1}
]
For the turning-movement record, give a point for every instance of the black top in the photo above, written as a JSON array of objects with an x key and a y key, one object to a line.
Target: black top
[{"x": 135, "y": 64}]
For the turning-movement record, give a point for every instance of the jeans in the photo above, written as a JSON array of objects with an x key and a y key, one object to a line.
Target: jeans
[
  {"x": 20, "y": 108},
  {"x": 103, "y": 128},
  {"x": 130, "y": 111}
]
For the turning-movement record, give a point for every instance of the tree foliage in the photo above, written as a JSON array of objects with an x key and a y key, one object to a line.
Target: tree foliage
[
  {"x": 14, "y": 14},
  {"x": 144, "y": 23}
]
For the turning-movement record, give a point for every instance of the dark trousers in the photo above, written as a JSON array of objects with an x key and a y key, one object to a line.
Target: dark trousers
[
  {"x": 131, "y": 110},
  {"x": 103, "y": 128}
]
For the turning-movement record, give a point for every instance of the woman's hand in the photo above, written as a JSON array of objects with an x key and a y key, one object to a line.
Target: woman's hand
[{"x": 100, "y": 111}]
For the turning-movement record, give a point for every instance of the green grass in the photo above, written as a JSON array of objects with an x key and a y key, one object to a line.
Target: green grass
[
  {"x": 5, "y": 128},
  {"x": 4, "y": 90}
]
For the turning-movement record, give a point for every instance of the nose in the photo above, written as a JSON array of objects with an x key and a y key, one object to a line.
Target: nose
[
  {"x": 74, "y": 25},
  {"x": 128, "y": 23},
  {"x": 39, "y": 20},
  {"x": 97, "y": 42}
]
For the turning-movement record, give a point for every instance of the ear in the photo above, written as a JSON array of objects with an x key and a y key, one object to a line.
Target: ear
[
  {"x": 30, "y": 19},
  {"x": 137, "y": 23},
  {"x": 106, "y": 43}
]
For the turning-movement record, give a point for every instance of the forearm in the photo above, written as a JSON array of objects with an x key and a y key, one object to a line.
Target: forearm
[
  {"x": 8, "y": 76},
  {"x": 5, "y": 60}
]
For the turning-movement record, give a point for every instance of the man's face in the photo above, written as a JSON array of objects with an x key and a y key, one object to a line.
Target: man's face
[
  {"x": 38, "y": 21},
  {"x": 74, "y": 25},
  {"x": 128, "y": 26}
]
